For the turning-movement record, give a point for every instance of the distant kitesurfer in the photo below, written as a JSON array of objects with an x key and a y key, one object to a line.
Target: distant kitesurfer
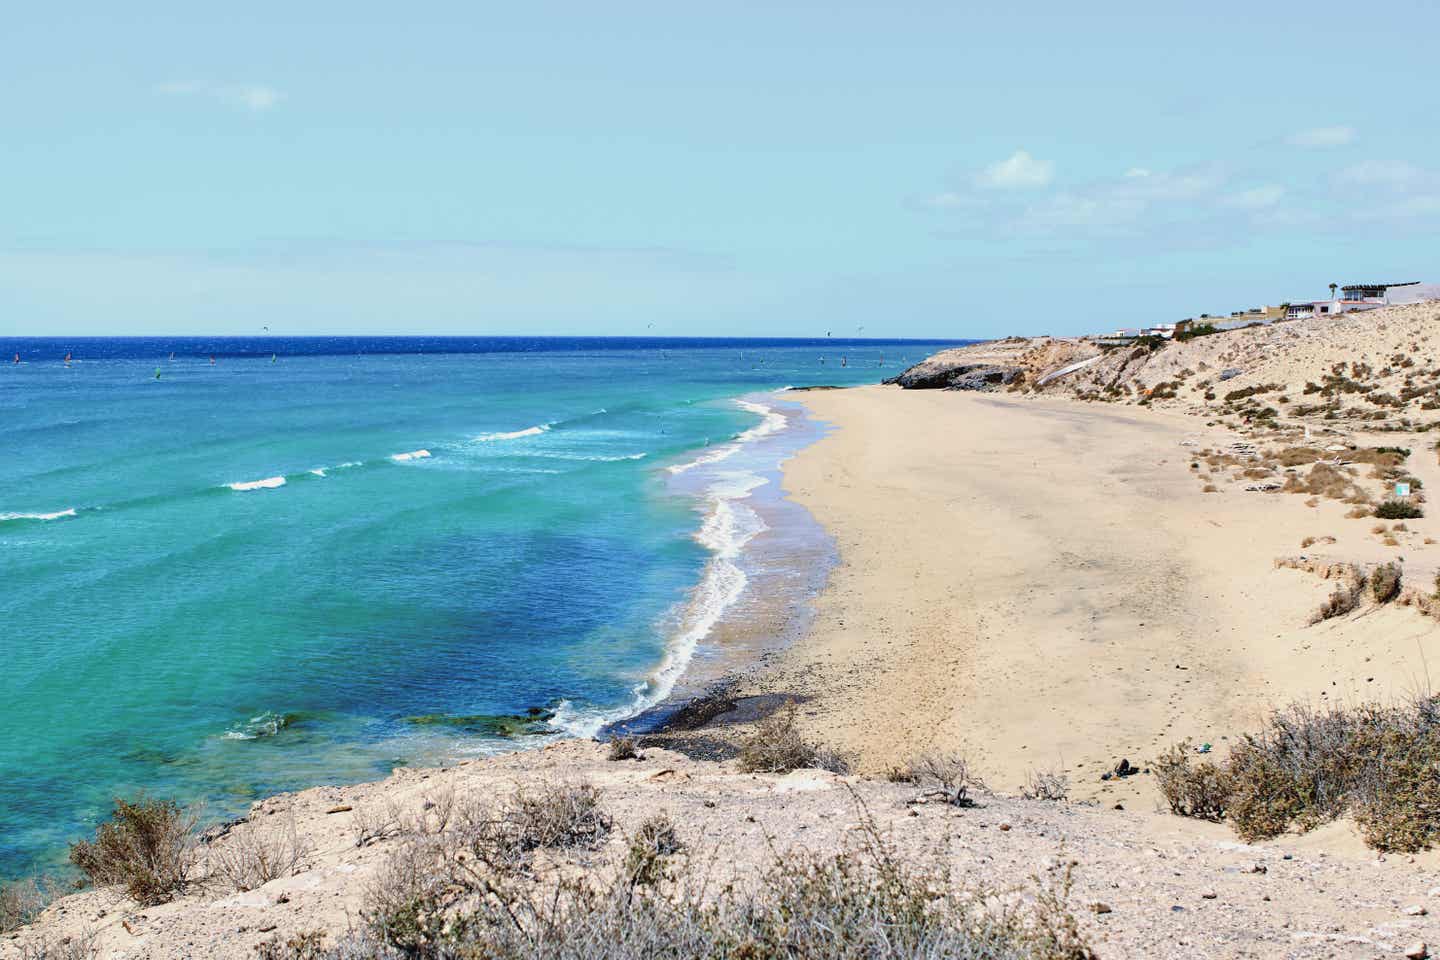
[
  {"x": 17, "y": 358},
  {"x": 212, "y": 359},
  {"x": 67, "y": 358}
]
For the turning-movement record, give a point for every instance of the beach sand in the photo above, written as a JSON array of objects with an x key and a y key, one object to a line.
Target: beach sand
[{"x": 1041, "y": 585}]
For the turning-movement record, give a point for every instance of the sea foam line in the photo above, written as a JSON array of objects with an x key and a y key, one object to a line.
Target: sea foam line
[
  {"x": 411, "y": 455},
  {"x": 38, "y": 516},
  {"x": 534, "y": 431},
  {"x": 771, "y": 421},
  {"x": 269, "y": 483}
]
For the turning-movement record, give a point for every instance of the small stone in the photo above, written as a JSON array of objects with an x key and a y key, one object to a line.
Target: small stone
[
  {"x": 1004, "y": 827},
  {"x": 1098, "y": 907},
  {"x": 1257, "y": 867},
  {"x": 1119, "y": 806},
  {"x": 1415, "y": 910},
  {"x": 1208, "y": 895},
  {"x": 1417, "y": 951}
]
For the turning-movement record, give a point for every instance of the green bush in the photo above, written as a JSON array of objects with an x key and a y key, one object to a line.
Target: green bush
[
  {"x": 1398, "y": 510},
  {"x": 146, "y": 845},
  {"x": 1385, "y": 582}
]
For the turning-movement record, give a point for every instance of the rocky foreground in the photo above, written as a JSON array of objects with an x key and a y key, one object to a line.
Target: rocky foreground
[{"x": 1144, "y": 884}]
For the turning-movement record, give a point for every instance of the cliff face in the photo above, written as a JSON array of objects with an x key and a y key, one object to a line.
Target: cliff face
[
  {"x": 993, "y": 365},
  {"x": 1379, "y": 367}
]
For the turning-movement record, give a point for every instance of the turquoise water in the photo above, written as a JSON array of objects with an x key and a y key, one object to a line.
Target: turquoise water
[{"x": 252, "y": 576}]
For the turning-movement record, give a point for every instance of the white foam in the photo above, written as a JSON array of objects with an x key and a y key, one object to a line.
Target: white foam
[
  {"x": 591, "y": 458},
  {"x": 412, "y": 455},
  {"x": 38, "y": 516},
  {"x": 269, "y": 483},
  {"x": 728, "y": 526},
  {"x": 534, "y": 431},
  {"x": 318, "y": 471},
  {"x": 771, "y": 421}
]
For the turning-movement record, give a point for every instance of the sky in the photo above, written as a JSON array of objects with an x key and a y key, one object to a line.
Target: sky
[{"x": 776, "y": 169}]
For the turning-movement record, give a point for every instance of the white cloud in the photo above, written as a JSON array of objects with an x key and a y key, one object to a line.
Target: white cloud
[
  {"x": 1323, "y": 137},
  {"x": 1134, "y": 172},
  {"x": 255, "y": 97},
  {"x": 1019, "y": 170},
  {"x": 1256, "y": 198},
  {"x": 1396, "y": 174}
]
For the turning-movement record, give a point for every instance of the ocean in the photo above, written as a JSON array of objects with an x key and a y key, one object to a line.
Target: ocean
[{"x": 232, "y": 567}]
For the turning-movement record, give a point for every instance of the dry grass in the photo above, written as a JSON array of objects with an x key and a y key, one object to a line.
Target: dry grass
[
  {"x": 649, "y": 851},
  {"x": 863, "y": 903},
  {"x": 948, "y": 775},
  {"x": 77, "y": 947},
  {"x": 624, "y": 748},
  {"x": 776, "y": 746},
  {"x": 1345, "y": 598},
  {"x": 1046, "y": 785},
  {"x": 149, "y": 846}
]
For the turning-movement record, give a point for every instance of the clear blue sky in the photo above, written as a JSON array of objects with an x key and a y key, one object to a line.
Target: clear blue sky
[{"x": 784, "y": 168}]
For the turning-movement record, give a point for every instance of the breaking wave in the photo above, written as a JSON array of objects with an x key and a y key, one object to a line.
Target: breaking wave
[
  {"x": 269, "y": 483},
  {"x": 58, "y": 514},
  {"x": 534, "y": 431}
]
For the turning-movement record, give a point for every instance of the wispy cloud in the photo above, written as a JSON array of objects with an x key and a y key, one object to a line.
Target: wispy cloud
[
  {"x": 1256, "y": 198},
  {"x": 1317, "y": 137},
  {"x": 254, "y": 97},
  {"x": 1019, "y": 170}
]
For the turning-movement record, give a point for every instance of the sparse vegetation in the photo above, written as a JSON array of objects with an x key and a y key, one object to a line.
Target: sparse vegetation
[
  {"x": 1344, "y": 599},
  {"x": 650, "y": 846},
  {"x": 624, "y": 748},
  {"x": 253, "y": 855},
  {"x": 948, "y": 775},
  {"x": 860, "y": 904},
  {"x": 776, "y": 746},
  {"x": 146, "y": 845},
  {"x": 1046, "y": 785},
  {"x": 19, "y": 903}
]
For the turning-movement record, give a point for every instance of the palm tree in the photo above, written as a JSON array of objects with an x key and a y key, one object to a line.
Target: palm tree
[{"x": 1332, "y": 290}]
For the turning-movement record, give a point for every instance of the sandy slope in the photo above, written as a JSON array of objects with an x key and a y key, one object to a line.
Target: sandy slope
[{"x": 1041, "y": 583}]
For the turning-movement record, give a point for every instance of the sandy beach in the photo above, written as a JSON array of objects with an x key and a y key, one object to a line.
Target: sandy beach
[{"x": 1041, "y": 584}]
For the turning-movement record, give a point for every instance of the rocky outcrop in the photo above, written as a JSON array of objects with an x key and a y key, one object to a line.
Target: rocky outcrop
[
  {"x": 965, "y": 376},
  {"x": 993, "y": 364}
]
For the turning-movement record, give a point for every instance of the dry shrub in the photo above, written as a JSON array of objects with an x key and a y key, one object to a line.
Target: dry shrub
[
  {"x": 1191, "y": 787},
  {"x": 651, "y": 844},
  {"x": 1345, "y": 598},
  {"x": 373, "y": 824},
  {"x": 1209, "y": 488},
  {"x": 1379, "y": 528},
  {"x": 1357, "y": 513},
  {"x": 305, "y": 945},
  {"x": 1311, "y": 765},
  {"x": 1398, "y": 510},
  {"x": 1046, "y": 785},
  {"x": 624, "y": 748},
  {"x": 252, "y": 856},
  {"x": 146, "y": 845},
  {"x": 861, "y": 904},
  {"x": 79, "y": 946},
  {"x": 776, "y": 746},
  {"x": 1385, "y": 582},
  {"x": 20, "y": 903},
  {"x": 948, "y": 775}
]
